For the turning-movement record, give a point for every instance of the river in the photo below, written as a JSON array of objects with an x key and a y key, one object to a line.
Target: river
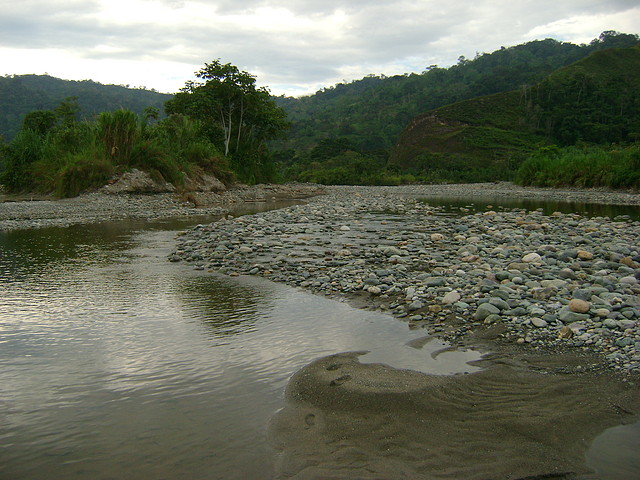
[{"x": 116, "y": 364}]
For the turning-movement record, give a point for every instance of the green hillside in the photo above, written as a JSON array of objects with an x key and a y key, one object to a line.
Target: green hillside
[
  {"x": 595, "y": 100},
  {"x": 372, "y": 112},
  {"x": 21, "y": 94}
]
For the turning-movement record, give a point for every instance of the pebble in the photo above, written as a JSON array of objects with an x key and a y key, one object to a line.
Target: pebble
[
  {"x": 559, "y": 281},
  {"x": 579, "y": 306},
  {"x": 538, "y": 322},
  {"x": 451, "y": 297}
]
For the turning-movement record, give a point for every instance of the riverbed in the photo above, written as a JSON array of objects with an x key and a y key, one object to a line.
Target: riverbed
[{"x": 117, "y": 363}]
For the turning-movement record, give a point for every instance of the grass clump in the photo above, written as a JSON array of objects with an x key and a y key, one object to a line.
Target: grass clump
[{"x": 82, "y": 173}]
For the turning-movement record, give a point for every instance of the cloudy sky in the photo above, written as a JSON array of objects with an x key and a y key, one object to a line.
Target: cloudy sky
[{"x": 294, "y": 47}]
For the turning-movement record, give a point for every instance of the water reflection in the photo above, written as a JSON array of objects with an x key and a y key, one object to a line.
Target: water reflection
[
  {"x": 115, "y": 363},
  {"x": 24, "y": 252},
  {"x": 224, "y": 308},
  {"x": 483, "y": 203}
]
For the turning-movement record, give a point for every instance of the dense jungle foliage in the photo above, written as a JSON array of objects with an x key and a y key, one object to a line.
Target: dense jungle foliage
[
  {"x": 595, "y": 101},
  {"x": 478, "y": 120},
  {"x": 583, "y": 166},
  {"x": 369, "y": 115},
  {"x": 55, "y": 153}
]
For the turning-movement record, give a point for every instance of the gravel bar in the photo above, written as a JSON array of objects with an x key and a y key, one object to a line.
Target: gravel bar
[
  {"x": 560, "y": 281},
  {"x": 101, "y": 207}
]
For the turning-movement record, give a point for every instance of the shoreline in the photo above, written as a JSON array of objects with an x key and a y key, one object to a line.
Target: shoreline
[
  {"x": 551, "y": 300},
  {"x": 554, "y": 376},
  {"x": 18, "y": 213},
  {"x": 99, "y": 207}
]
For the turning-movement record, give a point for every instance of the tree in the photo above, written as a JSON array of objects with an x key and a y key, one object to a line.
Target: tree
[
  {"x": 67, "y": 110},
  {"x": 40, "y": 121},
  {"x": 240, "y": 117}
]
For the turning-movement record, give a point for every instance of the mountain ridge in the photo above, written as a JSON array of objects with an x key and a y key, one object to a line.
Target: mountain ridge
[{"x": 21, "y": 94}]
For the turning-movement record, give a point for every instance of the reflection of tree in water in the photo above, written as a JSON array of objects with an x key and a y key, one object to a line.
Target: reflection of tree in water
[
  {"x": 225, "y": 307},
  {"x": 27, "y": 251}
]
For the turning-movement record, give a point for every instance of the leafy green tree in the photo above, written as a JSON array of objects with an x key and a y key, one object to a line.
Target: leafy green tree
[
  {"x": 239, "y": 116},
  {"x": 67, "y": 110},
  {"x": 40, "y": 121}
]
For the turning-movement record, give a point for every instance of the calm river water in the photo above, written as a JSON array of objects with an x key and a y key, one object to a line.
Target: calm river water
[{"x": 116, "y": 364}]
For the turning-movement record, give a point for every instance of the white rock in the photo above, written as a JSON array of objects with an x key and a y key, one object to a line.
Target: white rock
[
  {"x": 373, "y": 290},
  {"x": 532, "y": 258},
  {"x": 630, "y": 280},
  {"x": 451, "y": 297}
]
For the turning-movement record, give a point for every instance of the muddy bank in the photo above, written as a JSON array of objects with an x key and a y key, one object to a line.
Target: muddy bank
[{"x": 513, "y": 420}]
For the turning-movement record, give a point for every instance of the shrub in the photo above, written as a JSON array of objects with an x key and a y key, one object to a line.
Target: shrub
[
  {"x": 20, "y": 155},
  {"x": 585, "y": 166},
  {"x": 150, "y": 156},
  {"x": 82, "y": 173}
]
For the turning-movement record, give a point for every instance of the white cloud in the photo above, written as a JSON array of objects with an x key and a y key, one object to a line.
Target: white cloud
[
  {"x": 294, "y": 47},
  {"x": 584, "y": 28}
]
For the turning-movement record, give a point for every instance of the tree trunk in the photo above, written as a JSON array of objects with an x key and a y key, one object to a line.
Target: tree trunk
[{"x": 240, "y": 123}]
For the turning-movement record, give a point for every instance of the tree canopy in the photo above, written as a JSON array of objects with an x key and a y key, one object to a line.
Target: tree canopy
[{"x": 239, "y": 116}]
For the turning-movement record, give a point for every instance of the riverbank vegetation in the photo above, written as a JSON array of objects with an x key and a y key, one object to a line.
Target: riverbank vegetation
[
  {"x": 21, "y": 94},
  {"x": 58, "y": 154},
  {"x": 219, "y": 126},
  {"x": 585, "y": 167}
]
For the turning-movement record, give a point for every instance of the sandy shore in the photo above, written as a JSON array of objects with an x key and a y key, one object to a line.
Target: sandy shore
[{"x": 347, "y": 420}]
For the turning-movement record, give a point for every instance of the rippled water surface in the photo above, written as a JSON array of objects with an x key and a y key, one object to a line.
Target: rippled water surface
[{"x": 115, "y": 363}]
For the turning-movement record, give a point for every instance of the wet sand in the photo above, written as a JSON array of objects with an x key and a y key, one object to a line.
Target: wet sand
[{"x": 518, "y": 418}]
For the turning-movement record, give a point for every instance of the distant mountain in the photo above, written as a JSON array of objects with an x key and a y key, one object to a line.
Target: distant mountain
[
  {"x": 372, "y": 112},
  {"x": 595, "y": 100},
  {"x": 21, "y": 94}
]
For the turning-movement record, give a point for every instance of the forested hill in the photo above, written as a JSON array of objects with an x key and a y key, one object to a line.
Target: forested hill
[
  {"x": 595, "y": 101},
  {"x": 370, "y": 113},
  {"x": 21, "y": 94}
]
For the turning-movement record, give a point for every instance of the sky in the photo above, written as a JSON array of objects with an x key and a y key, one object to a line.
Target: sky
[{"x": 293, "y": 48}]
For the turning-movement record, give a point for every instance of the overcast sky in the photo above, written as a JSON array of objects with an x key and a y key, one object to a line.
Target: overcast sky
[{"x": 294, "y": 47}]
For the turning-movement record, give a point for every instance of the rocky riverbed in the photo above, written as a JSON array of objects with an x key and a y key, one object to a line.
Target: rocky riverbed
[{"x": 528, "y": 280}]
